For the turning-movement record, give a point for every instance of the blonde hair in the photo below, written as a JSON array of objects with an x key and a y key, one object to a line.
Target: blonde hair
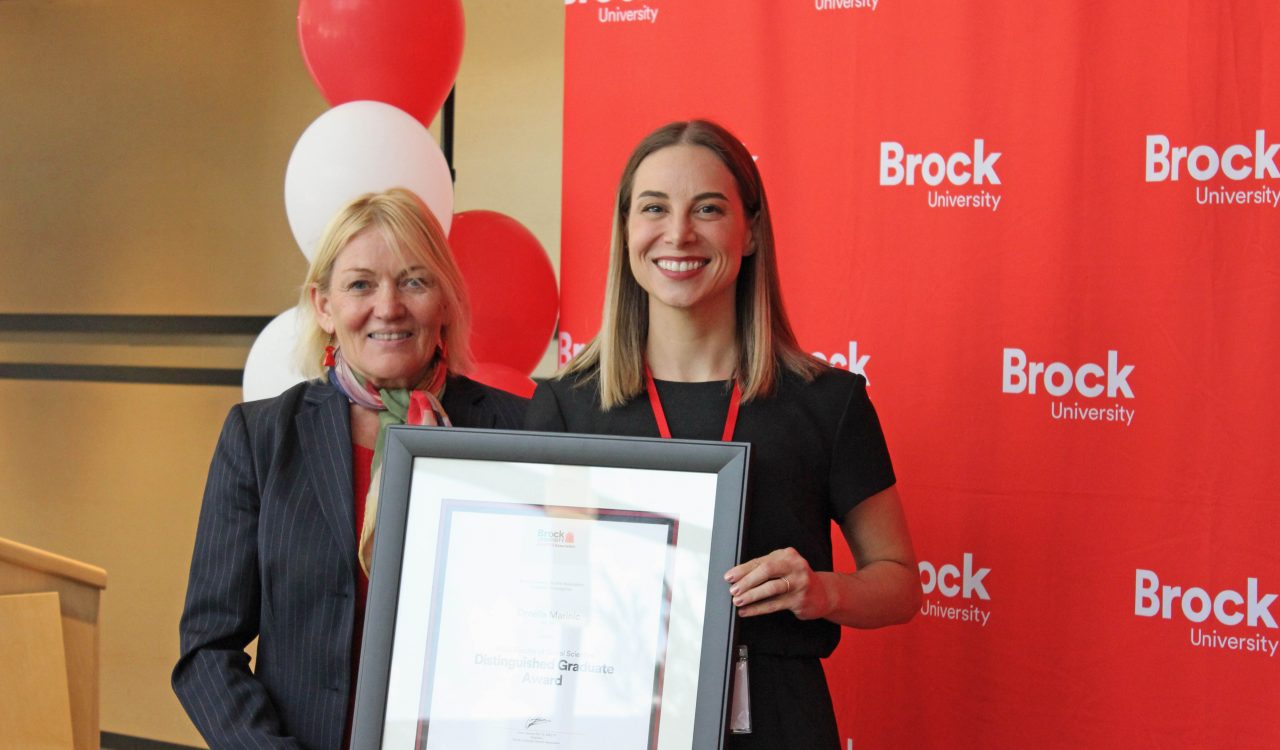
[
  {"x": 413, "y": 233},
  {"x": 766, "y": 344}
]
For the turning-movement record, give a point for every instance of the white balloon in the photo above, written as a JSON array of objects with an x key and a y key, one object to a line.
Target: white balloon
[
  {"x": 356, "y": 148},
  {"x": 269, "y": 369}
]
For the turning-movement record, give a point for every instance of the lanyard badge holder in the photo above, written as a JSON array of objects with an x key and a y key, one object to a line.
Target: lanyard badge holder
[{"x": 740, "y": 707}]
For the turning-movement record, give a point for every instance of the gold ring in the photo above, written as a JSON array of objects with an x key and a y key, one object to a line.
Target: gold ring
[{"x": 787, "y": 581}]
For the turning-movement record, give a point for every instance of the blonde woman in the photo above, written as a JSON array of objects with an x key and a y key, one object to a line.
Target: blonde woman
[{"x": 286, "y": 528}]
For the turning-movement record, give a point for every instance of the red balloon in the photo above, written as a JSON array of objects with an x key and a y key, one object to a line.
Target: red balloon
[
  {"x": 400, "y": 52},
  {"x": 514, "y": 301},
  {"x": 503, "y": 378}
]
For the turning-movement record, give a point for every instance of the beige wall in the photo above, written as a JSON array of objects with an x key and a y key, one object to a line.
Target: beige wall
[
  {"x": 142, "y": 153},
  {"x": 510, "y": 112},
  {"x": 144, "y": 149}
]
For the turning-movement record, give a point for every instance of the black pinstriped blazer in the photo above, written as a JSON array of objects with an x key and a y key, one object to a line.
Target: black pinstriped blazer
[{"x": 275, "y": 558}]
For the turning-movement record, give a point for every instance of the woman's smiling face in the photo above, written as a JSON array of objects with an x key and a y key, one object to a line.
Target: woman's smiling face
[
  {"x": 687, "y": 231},
  {"x": 385, "y": 309}
]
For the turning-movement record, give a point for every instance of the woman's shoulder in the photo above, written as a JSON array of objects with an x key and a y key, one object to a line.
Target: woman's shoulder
[
  {"x": 506, "y": 409},
  {"x": 294, "y": 399},
  {"x": 269, "y": 422},
  {"x": 477, "y": 391},
  {"x": 576, "y": 384},
  {"x": 570, "y": 402},
  {"x": 831, "y": 383}
]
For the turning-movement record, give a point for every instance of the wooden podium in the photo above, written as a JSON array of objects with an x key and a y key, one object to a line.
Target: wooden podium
[{"x": 49, "y": 650}]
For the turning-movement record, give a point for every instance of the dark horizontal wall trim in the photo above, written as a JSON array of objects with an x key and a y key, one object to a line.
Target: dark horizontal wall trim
[
  {"x": 170, "y": 324},
  {"x": 113, "y": 741},
  {"x": 123, "y": 374}
]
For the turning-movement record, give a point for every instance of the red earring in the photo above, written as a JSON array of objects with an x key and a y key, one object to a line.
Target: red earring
[
  {"x": 440, "y": 365},
  {"x": 329, "y": 359}
]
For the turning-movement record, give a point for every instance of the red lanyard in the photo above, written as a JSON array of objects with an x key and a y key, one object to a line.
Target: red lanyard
[{"x": 730, "y": 419}]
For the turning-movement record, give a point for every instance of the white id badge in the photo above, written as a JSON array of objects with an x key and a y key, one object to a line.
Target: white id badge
[{"x": 740, "y": 707}]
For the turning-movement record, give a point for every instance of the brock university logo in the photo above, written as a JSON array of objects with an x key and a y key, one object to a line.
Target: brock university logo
[
  {"x": 1253, "y": 610},
  {"x": 854, "y": 362},
  {"x": 1021, "y": 375},
  {"x": 964, "y": 179},
  {"x": 1240, "y": 174},
  {"x": 954, "y": 592}
]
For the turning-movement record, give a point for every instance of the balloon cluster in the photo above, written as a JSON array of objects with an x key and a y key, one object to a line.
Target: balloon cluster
[{"x": 387, "y": 66}]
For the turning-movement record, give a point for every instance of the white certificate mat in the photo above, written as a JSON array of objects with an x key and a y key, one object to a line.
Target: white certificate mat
[{"x": 559, "y": 616}]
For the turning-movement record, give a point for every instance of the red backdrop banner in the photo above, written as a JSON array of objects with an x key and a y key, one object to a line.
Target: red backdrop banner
[{"x": 1049, "y": 235}]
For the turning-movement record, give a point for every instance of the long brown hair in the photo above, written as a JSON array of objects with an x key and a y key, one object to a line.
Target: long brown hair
[{"x": 765, "y": 340}]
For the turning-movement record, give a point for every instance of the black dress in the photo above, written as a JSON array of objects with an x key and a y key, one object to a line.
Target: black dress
[{"x": 817, "y": 451}]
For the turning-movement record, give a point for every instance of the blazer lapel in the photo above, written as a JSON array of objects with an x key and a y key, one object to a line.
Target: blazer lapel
[{"x": 325, "y": 433}]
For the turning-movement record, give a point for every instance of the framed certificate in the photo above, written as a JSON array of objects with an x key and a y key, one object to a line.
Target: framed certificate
[{"x": 551, "y": 591}]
